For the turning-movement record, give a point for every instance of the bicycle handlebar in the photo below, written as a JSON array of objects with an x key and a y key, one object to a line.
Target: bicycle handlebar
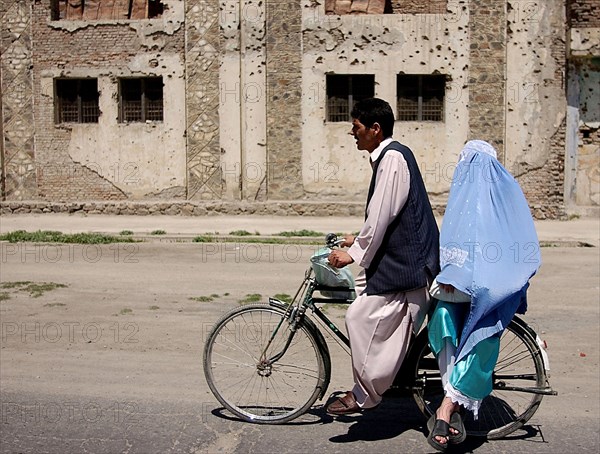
[{"x": 332, "y": 240}]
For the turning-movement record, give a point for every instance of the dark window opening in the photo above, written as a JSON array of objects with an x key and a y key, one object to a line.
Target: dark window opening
[
  {"x": 420, "y": 97},
  {"x": 105, "y": 9},
  {"x": 141, "y": 99},
  {"x": 155, "y": 9},
  {"x": 76, "y": 101},
  {"x": 344, "y": 90}
]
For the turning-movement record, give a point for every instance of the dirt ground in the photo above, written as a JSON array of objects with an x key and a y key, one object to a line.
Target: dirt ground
[{"x": 101, "y": 351}]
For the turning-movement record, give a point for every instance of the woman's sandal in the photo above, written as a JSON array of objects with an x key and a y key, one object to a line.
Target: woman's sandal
[
  {"x": 438, "y": 428},
  {"x": 457, "y": 424}
]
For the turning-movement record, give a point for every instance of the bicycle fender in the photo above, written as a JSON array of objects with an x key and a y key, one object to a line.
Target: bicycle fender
[
  {"x": 274, "y": 302},
  {"x": 541, "y": 344}
]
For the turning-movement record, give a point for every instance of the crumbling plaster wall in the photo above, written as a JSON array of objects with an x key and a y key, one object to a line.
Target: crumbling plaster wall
[
  {"x": 383, "y": 45},
  {"x": 243, "y": 99},
  {"x": 108, "y": 159},
  {"x": 587, "y": 180},
  {"x": 213, "y": 80},
  {"x": 582, "y": 163},
  {"x": 534, "y": 82}
]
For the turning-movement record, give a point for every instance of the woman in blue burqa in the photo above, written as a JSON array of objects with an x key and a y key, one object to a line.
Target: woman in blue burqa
[{"x": 488, "y": 252}]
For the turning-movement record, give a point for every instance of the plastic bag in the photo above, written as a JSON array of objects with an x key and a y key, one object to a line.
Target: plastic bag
[{"x": 331, "y": 276}]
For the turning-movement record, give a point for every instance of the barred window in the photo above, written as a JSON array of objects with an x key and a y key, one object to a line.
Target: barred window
[
  {"x": 105, "y": 9},
  {"x": 140, "y": 99},
  {"x": 420, "y": 97},
  {"x": 344, "y": 90},
  {"x": 76, "y": 101}
]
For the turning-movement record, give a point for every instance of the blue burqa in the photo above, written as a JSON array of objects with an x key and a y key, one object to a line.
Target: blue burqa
[{"x": 488, "y": 244}]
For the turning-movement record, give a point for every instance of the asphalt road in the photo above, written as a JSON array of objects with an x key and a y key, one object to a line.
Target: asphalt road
[{"x": 104, "y": 354}]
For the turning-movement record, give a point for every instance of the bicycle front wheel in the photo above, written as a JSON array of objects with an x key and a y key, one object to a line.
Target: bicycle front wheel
[
  {"x": 518, "y": 380},
  {"x": 240, "y": 376}
]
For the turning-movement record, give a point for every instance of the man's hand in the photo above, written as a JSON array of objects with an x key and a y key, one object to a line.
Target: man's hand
[
  {"x": 340, "y": 259},
  {"x": 348, "y": 240}
]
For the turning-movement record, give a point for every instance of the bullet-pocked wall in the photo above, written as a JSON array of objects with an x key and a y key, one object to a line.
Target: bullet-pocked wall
[
  {"x": 535, "y": 102},
  {"x": 108, "y": 90},
  {"x": 243, "y": 99},
  {"x": 582, "y": 163},
  {"x": 243, "y": 96},
  {"x": 407, "y": 40},
  {"x": 254, "y": 98}
]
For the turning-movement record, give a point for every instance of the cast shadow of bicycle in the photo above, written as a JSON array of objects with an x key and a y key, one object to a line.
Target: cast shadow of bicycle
[
  {"x": 391, "y": 419},
  {"x": 398, "y": 415}
]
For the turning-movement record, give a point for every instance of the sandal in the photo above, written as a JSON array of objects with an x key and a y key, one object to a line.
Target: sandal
[
  {"x": 438, "y": 428},
  {"x": 457, "y": 424},
  {"x": 345, "y": 405}
]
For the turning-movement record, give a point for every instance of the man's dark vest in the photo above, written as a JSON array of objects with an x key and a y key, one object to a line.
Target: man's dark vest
[{"x": 409, "y": 255}]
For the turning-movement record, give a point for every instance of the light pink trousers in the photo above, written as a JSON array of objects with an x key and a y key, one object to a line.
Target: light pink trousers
[{"x": 379, "y": 328}]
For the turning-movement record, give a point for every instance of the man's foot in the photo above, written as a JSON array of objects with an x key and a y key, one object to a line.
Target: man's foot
[{"x": 345, "y": 405}]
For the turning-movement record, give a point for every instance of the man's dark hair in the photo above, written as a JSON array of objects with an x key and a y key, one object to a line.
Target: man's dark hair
[{"x": 374, "y": 110}]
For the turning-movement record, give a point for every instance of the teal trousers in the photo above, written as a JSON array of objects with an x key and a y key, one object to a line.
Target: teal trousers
[{"x": 472, "y": 375}]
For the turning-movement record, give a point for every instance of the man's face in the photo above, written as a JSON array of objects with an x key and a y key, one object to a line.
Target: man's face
[{"x": 365, "y": 137}]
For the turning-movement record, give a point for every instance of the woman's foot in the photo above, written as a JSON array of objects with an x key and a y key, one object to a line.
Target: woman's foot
[
  {"x": 457, "y": 429},
  {"x": 448, "y": 414},
  {"x": 439, "y": 433}
]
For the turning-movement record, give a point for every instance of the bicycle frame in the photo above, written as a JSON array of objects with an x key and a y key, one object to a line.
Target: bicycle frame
[{"x": 295, "y": 311}]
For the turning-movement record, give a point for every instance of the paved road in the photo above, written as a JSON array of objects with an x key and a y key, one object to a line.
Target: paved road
[{"x": 111, "y": 362}]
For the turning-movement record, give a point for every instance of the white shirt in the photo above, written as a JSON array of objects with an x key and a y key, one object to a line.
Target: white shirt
[{"x": 392, "y": 184}]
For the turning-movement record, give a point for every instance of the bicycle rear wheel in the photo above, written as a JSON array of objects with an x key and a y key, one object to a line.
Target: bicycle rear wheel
[
  {"x": 518, "y": 377},
  {"x": 245, "y": 384}
]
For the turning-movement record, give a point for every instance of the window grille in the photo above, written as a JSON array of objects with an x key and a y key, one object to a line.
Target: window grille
[
  {"x": 141, "y": 99},
  {"x": 420, "y": 97},
  {"x": 343, "y": 91},
  {"x": 76, "y": 101}
]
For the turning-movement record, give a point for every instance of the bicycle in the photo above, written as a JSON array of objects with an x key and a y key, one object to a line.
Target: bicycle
[{"x": 269, "y": 363}]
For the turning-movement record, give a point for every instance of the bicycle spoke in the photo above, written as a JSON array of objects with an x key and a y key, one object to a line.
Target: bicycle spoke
[
  {"x": 258, "y": 390},
  {"x": 519, "y": 382}
]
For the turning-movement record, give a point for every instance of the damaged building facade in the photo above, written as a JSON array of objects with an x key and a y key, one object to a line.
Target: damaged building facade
[{"x": 242, "y": 106}]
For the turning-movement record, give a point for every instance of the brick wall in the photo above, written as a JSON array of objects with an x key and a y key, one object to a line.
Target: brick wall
[
  {"x": 52, "y": 175},
  {"x": 385, "y": 6},
  {"x": 583, "y": 13},
  {"x": 544, "y": 186},
  {"x": 99, "y": 46},
  {"x": 59, "y": 178}
]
